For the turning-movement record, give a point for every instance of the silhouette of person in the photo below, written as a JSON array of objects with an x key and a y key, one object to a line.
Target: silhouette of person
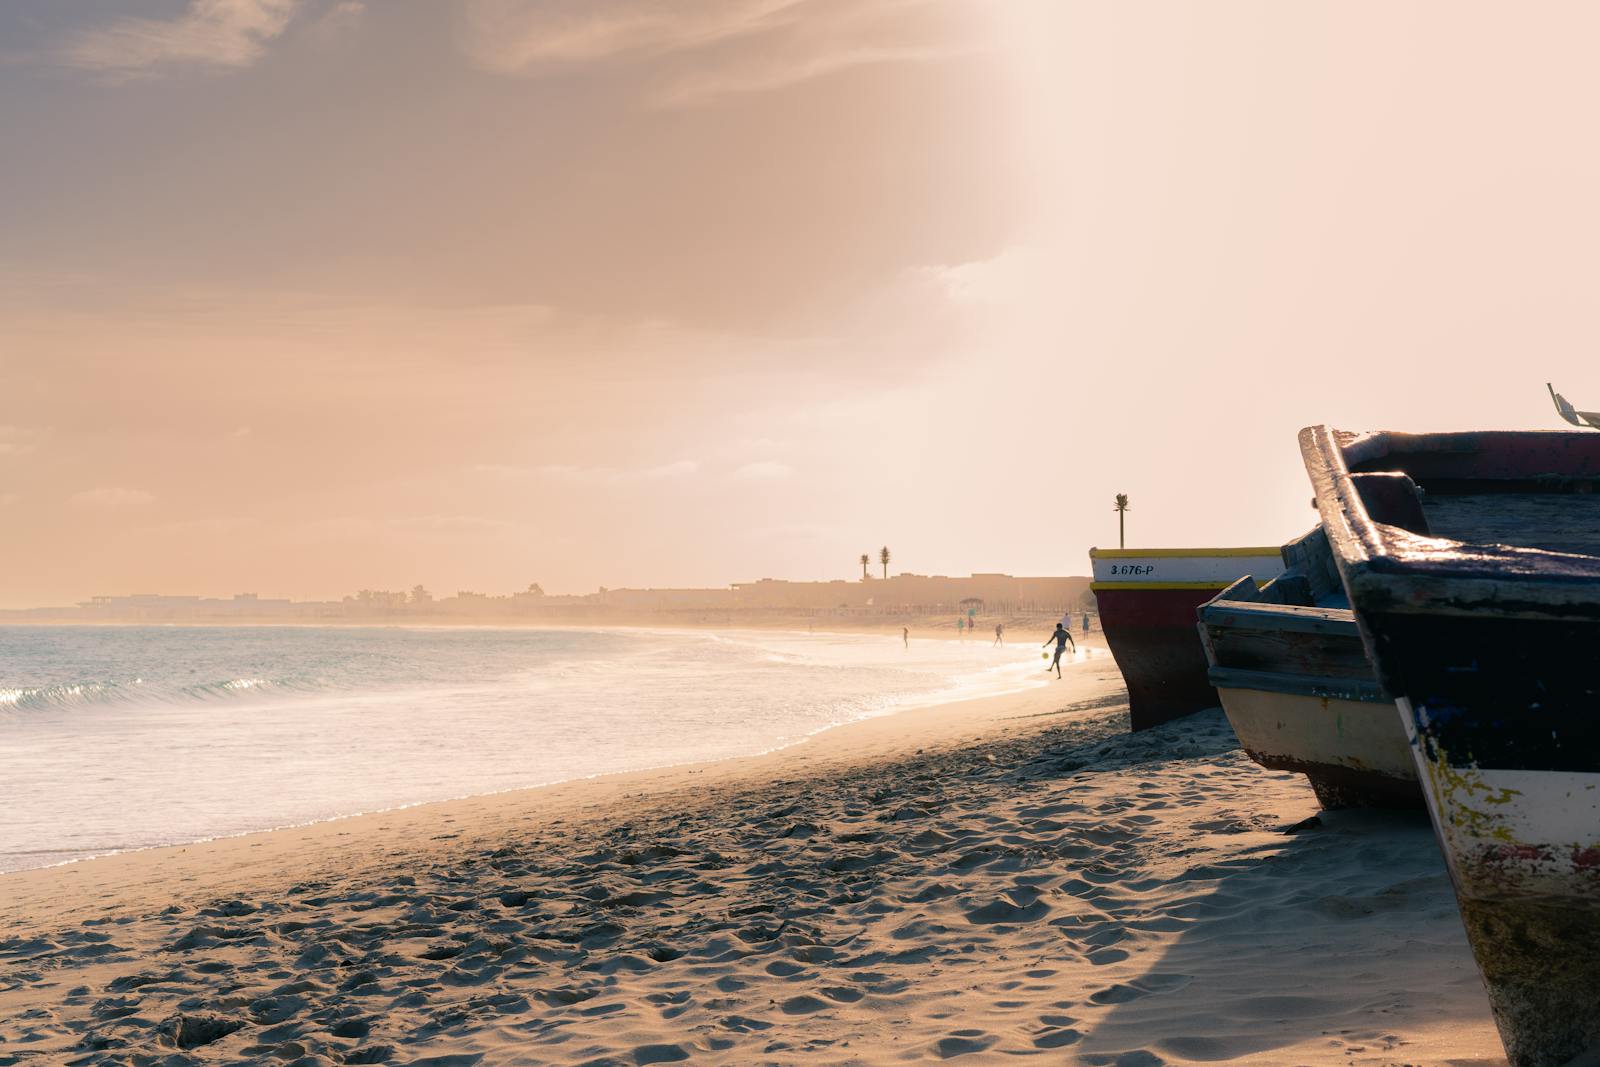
[
  {"x": 1062, "y": 638},
  {"x": 905, "y": 635},
  {"x": 961, "y": 626},
  {"x": 999, "y": 633}
]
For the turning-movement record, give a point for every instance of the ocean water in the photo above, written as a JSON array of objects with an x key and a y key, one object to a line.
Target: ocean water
[{"x": 115, "y": 738}]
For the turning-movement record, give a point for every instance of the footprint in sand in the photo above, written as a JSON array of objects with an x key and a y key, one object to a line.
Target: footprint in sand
[
  {"x": 1121, "y": 993},
  {"x": 660, "y": 1054},
  {"x": 1004, "y": 911},
  {"x": 564, "y": 997},
  {"x": 1136, "y": 1058},
  {"x": 1057, "y": 1038},
  {"x": 964, "y": 1043},
  {"x": 115, "y": 1008},
  {"x": 785, "y": 969},
  {"x": 804, "y": 1004},
  {"x": 743, "y": 1025},
  {"x": 192, "y": 1031},
  {"x": 1116, "y": 994}
]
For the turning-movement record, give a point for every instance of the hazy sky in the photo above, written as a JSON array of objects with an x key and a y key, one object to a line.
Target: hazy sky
[{"x": 301, "y": 296}]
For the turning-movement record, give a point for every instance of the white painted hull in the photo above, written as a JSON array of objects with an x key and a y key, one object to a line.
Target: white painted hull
[
  {"x": 1513, "y": 833},
  {"x": 1523, "y": 847},
  {"x": 1355, "y": 752}
]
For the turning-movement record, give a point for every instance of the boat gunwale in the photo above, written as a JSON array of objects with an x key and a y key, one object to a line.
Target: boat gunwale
[
  {"x": 1181, "y": 553},
  {"x": 1293, "y": 618},
  {"x": 1392, "y": 569},
  {"x": 1140, "y": 586}
]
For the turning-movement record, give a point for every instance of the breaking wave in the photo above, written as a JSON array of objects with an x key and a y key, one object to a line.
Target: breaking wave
[{"x": 136, "y": 691}]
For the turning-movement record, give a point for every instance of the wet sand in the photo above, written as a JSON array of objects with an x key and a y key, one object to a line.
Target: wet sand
[{"x": 1015, "y": 876}]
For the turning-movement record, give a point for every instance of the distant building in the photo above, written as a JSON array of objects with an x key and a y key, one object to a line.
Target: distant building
[{"x": 901, "y": 594}]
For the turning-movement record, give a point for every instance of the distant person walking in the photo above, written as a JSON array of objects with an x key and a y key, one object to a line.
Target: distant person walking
[
  {"x": 999, "y": 633},
  {"x": 1062, "y": 637},
  {"x": 905, "y": 635},
  {"x": 961, "y": 626},
  {"x": 1086, "y": 622}
]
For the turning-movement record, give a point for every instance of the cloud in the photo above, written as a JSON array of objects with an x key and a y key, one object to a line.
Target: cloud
[
  {"x": 449, "y": 523},
  {"x": 737, "y": 46},
  {"x": 764, "y": 471},
  {"x": 209, "y": 33},
  {"x": 999, "y": 279},
  {"x": 16, "y": 441},
  {"x": 114, "y": 498},
  {"x": 211, "y": 527},
  {"x": 509, "y": 36},
  {"x": 340, "y": 18},
  {"x": 359, "y": 528},
  {"x": 683, "y": 468},
  {"x": 703, "y": 86}
]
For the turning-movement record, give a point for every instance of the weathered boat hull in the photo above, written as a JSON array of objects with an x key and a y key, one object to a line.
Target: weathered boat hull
[
  {"x": 1504, "y": 724},
  {"x": 1298, "y": 688},
  {"x": 1354, "y": 752},
  {"x": 1489, "y": 648},
  {"x": 1147, "y": 600}
]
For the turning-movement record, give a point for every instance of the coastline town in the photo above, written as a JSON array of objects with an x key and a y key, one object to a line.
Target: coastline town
[{"x": 922, "y": 599}]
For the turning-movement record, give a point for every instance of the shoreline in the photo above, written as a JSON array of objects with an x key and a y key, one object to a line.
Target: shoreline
[
  {"x": 1012, "y": 688},
  {"x": 564, "y": 794}
]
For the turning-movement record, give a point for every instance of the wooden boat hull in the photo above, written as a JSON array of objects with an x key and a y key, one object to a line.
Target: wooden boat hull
[
  {"x": 1299, "y": 690},
  {"x": 1147, "y": 600},
  {"x": 1517, "y": 811},
  {"x": 1353, "y": 751},
  {"x": 1489, "y": 648}
]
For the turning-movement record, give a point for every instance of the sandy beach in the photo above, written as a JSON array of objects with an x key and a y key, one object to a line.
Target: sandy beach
[{"x": 1014, "y": 876}]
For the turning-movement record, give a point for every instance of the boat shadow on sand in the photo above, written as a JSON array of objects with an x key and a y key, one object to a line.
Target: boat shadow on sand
[{"x": 1246, "y": 921}]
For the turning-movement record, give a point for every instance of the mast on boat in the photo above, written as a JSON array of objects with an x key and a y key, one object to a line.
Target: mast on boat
[{"x": 1589, "y": 419}]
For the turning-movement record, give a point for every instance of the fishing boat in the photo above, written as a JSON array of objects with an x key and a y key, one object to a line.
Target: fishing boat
[
  {"x": 1472, "y": 561},
  {"x": 1295, "y": 682},
  {"x": 1147, "y": 599}
]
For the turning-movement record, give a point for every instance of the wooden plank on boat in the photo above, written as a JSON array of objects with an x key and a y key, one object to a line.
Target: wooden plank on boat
[
  {"x": 1290, "y": 617},
  {"x": 1330, "y": 688}
]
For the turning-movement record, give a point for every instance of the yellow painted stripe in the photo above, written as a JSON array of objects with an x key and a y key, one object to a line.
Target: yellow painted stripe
[
  {"x": 1177, "y": 553},
  {"x": 1096, "y": 587}
]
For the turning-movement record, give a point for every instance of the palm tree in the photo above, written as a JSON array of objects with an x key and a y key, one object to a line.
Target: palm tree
[
  {"x": 865, "y": 559},
  {"x": 883, "y": 558},
  {"x": 1121, "y": 509}
]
